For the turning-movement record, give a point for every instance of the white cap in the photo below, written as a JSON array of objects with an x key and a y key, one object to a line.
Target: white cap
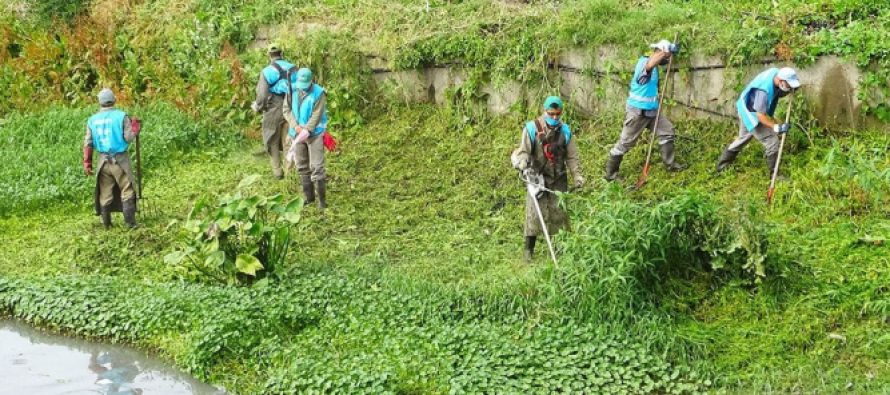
[
  {"x": 788, "y": 75},
  {"x": 663, "y": 45}
]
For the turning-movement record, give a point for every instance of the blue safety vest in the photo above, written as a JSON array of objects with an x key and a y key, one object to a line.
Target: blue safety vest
[
  {"x": 303, "y": 111},
  {"x": 278, "y": 80},
  {"x": 107, "y": 130},
  {"x": 764, "y": 82},
  {"x": 644, "y": 97},
  {"x": 532, "y": 131}
]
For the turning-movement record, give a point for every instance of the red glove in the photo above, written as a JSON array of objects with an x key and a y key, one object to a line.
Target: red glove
[
  {"x": 135, "y": 125},
  {"x": 88, "y": 160},
  {"x": 329, "y": 142}
]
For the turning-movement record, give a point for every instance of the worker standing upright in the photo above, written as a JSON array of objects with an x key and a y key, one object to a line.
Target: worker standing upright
[
  {"x": 109, "y": 132},
  {"x": 546, "y": 150},
  {"x": 271, "y": 89}
]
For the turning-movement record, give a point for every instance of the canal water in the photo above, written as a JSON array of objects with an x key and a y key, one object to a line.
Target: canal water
[{"x": 38, "y": 363}]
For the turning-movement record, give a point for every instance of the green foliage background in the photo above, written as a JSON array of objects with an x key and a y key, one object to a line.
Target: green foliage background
[{"x": 411, "y": 282}]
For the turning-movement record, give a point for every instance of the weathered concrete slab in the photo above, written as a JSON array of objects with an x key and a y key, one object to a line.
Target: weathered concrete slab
[{"x": 594, "y": 80}]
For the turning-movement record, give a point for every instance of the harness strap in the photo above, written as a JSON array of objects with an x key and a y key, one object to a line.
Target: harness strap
[
  {"x": 290, "y": 88},
  {"x": 545, "y": 147}
]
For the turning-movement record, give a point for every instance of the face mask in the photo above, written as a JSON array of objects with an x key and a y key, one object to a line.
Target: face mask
[{"x": 551, "y": 121}]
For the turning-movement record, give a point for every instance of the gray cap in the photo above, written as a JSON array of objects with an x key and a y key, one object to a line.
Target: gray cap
[{"x": 106, "y": 97}]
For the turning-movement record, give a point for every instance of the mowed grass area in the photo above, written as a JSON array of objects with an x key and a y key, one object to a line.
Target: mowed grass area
[{"x": 412, "y": 280}]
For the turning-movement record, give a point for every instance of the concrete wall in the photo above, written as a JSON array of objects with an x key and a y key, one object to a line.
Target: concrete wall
[{"x": 597, "y": 80}]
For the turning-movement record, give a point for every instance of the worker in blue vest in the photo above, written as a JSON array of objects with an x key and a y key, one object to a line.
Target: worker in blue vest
[
  {"x": 109, "y": 132},
  {"x": 307, "y": 116},
  {"x": 271, "y": 90},
  {"x": 756, "y": 106},
  {"x": 547, "y": 152},
  {"x": 641, "y": 108}
]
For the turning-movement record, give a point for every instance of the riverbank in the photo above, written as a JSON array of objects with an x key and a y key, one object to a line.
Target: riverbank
[{"x": 412, "y": 281}]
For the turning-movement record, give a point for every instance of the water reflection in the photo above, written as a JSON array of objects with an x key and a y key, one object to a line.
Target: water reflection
[{"x": 34, "y": 362}]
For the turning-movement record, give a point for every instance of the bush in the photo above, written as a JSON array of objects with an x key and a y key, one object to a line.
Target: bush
[
  {"x": 614, "y": 259},
  {"x": 245, "y": 237}
]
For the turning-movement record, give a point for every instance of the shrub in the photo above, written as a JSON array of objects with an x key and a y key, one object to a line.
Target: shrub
[{"x": 245, "y": 237}]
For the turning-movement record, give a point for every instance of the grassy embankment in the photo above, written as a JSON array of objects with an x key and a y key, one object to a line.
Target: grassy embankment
[
  {"x": 418, "y": 259},
  {"x": 412, "y": 282}
]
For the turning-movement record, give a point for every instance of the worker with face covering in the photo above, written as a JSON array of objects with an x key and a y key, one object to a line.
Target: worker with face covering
[
  {"x": 307, "y": 117},
  {"x": 641, "y": 110},
  {"x": 756, "y": 106},
  {"x": 546, "y": 151}
]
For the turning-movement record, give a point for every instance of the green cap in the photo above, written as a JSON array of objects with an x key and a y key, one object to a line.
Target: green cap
[
  {"x": 553, "y": 102},
  {"x": 274, "y": 48},
  {"x": 304, "y": 78}
]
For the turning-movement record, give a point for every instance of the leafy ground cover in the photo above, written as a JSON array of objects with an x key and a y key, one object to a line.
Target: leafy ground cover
[
  {"x": 47, "y": 148},
  {"x": 412, "y": 282}
]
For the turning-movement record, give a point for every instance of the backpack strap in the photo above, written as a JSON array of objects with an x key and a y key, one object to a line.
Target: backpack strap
[
  {"x": 539, "y": 130},
  {"x": 290, "y": 73},
  {"x": 280, "y": 71}
]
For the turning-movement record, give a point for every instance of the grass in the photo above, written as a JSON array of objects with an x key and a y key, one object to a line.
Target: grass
[
  {"x": 418, "y": 258},
  {"x": 412, "y": 281}
]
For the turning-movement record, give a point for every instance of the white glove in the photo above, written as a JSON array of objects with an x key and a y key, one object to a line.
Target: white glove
[
  {"x": 302, "y": 136},
  {"x": 529, "y": 174},
  {"x": 291, "y": 155},
  {"x": 780, "y": 128},
  {"x": 518, "y": 160},
  {"x": 255, "y": 107}
]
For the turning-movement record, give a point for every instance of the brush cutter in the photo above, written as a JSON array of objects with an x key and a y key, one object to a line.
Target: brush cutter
[{"x": 534, "y": 184}]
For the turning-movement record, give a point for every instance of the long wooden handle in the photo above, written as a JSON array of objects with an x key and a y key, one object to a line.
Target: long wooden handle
[
  {"x": 667, "y": 74},
  {"x": 772, "y": 182},
  {"x": 139, "y": 166}
]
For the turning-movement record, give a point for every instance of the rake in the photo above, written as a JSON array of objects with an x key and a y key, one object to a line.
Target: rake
[
  {"x": 643, "y": 177},
  {"x": 772, "y": 181},
  {"x": 147, "y": 209}
]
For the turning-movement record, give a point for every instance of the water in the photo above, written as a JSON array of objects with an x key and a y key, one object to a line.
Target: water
[{"x": 38, "y": 363}]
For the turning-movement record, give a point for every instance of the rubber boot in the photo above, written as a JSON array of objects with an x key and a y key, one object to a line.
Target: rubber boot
[
  {"x": 308, "y": 190},
  {"x": 529, "y": 251},
  {"x": 667, "y": 156},
  {"x": 612, "y": 166},
  {"x": 276, "y": 163},
  {"x": 771, "y": 165},
  {"x": 321, "y": 187},
  {"x": 726, "y": 159},
  {"x": 106, "y": 217},
  {"x": 129, "y": 208}
]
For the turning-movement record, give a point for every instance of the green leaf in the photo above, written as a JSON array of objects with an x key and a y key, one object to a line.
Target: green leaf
[
  {"x": 248, "y": 264},
  {"x": 210, "y": 247},
  {"x": 174, "y": 258},
  {"x": 215, "y": 259},
  {"x": 292, "y": 211},
  {"x": 248, "y": 181}
]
